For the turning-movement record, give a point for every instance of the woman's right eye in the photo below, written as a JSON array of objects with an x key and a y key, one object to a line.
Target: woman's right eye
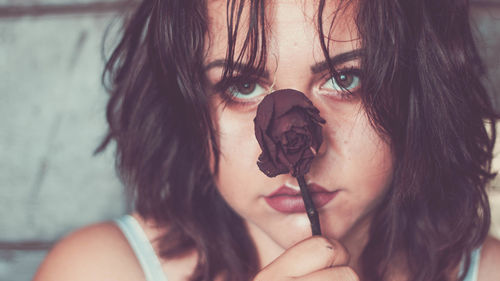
[{"x": 245, "y": 91}]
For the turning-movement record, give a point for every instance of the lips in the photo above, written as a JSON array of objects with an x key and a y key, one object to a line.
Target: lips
[{"x": 288, "y": 200}]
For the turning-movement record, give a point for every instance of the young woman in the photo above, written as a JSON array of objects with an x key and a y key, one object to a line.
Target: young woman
[{"x": 405, "y": 158}]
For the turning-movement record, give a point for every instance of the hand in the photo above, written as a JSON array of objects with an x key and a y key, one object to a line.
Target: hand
[{"x": 315, "y": 258}]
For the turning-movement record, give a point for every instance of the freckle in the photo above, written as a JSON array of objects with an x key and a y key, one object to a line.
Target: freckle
[{"x": 346, "y": 142}]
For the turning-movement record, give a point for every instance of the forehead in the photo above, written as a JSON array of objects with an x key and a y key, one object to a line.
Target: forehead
[{"x": 285, "y": 22}]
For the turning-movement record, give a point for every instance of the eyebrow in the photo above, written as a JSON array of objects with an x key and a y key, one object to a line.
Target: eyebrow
[
  {"x": 336, "y": 60},
  {"x": 237, "y": 66},
  {"x": 316, "y": 68}
]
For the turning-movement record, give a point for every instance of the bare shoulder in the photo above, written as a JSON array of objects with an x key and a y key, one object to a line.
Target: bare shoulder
[
  {"x": 95, "y": 252},
  {"x": 489, "y": 265}
]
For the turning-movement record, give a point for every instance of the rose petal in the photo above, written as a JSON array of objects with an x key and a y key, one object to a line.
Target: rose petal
[
  {"x": 289, "y": 99},
  {"x": 269, "y": 168},
  {"x": 286, "y": 122},
  {"x": 303, "y": 166},
  {"x": 293, "y": 141},
  {"x": 288, "y": 130}
]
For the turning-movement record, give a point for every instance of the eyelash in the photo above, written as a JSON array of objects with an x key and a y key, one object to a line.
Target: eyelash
[
  {"x": 224, "y": 86},
  {"x": 345, "y": 94},
  {"x": 229, "y": 100}
]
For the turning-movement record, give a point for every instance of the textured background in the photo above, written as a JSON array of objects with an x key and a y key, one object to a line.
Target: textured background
[{"x": 52, "y": 118}]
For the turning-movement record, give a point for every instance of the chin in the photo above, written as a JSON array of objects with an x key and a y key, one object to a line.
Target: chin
[
  {"x": 299, "y": 228},
  {"x": 296, "y": 228}
]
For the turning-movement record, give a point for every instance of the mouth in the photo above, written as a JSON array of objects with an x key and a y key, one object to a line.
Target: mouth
[{"x": 288, "y": 200}]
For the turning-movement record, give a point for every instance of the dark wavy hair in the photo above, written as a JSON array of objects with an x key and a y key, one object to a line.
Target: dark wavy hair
[{"x": 421, "y": 89}]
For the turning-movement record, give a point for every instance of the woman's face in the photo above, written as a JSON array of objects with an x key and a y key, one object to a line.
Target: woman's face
[{"x": 353, "y": 165}]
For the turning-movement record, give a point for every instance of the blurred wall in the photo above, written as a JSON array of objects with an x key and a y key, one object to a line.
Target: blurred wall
[{"x": 52, "y": 118}]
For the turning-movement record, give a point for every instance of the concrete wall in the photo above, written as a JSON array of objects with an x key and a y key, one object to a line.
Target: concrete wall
[{"x": 52, "y": 118}]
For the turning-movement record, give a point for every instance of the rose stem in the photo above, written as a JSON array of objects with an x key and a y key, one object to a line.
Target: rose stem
[{"x": 312, "y": 214}]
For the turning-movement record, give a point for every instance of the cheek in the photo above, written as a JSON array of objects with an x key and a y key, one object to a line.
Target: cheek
[
  {"x": 371, "y": 174},
  {"x": 239, "y": 151},
  {"x": 235, "y": 136},
  {"x": 370, "y": 170},
  {"x": 361, "y": 165},
  {"x": 356, "y": 148},
  {"x": 371, "y": 158},
  {"x": 361, "y": 158},
  {"x": 238, "y": 147}
]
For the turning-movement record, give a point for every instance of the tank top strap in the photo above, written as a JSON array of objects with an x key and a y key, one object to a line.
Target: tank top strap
[
  {"x": 474, "y": 265},
  {"x": 142, "y": 248}
]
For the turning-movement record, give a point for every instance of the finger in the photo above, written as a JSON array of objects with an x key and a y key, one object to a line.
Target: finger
[
  {"x": 337, "y": 273},
  {"x": 307, "y": 256}
]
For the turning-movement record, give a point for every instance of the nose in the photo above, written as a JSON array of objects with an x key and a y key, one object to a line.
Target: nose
[
  {"x": 320, "y": 160},
  {"x": 322, "y": 149},
  {"x": 291, "y": 78}
]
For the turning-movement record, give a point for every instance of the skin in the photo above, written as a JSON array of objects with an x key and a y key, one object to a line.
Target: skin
[{"x": 353, "y": 159}]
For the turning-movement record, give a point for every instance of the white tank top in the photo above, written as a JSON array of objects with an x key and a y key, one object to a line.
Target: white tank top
[{"x": 145, "y": 253}]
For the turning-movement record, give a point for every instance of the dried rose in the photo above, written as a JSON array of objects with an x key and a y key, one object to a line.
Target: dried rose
[{"x": 287, "y": 127}]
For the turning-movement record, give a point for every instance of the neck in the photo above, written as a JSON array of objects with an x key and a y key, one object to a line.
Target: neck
[
  {"x": 355, "y": 242},
  {"x": 268, "y": 250}
]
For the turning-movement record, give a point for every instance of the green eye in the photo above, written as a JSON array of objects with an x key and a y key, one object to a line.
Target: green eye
[
  {"x": 342, "y": 82},
  {"x": 246, "y": 90}
]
